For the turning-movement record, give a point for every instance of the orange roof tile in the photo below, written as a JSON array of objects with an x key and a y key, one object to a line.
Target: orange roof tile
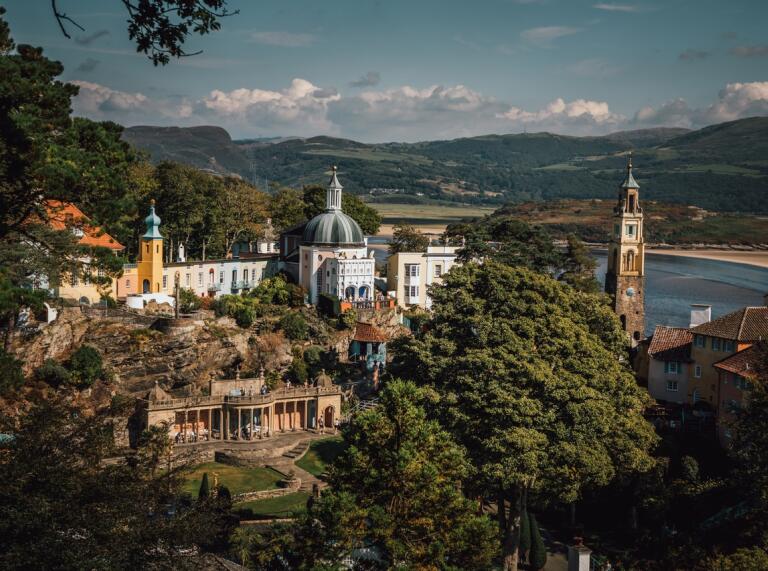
[
  {"x": 368, "y": 333},
  {"x": 742, "y": 363},
  {"x": 63, "y": 214},
  {"x": 670, "y": 344},
  {"x": 745, "y": 324}
]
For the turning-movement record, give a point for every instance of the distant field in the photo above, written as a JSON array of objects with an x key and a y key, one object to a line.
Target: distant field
[{"x": 431, "y": 216}]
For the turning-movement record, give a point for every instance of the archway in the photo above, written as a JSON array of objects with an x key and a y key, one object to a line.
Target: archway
[
  {"x": 364, "y": 292},
  {"x": 85, "y": 301},
  {"x": 329, "y": 417},
  {"x": 349, "y": 293},
  {"x": 145, "y": 286},
  {"x": 623, "y": 319}
]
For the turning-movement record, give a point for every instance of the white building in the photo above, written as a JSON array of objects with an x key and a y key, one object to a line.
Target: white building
[
  {"x": 409, "y": 274},
  {"x": 333, "y": 256}
]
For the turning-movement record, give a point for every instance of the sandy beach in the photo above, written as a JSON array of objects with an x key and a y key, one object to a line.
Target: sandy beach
[{"x": 753, "y": 258}]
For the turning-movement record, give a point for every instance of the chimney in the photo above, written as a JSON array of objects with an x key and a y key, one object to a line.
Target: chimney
[{"x": 700, "y": 314}]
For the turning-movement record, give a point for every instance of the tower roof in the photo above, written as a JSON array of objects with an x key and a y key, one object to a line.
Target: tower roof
[
  {"x": 333, "y": 227},
  {"x": 629, "y": 181},
  {"x": 334, "y": 182},
  {"x": 153, "y": 223}
]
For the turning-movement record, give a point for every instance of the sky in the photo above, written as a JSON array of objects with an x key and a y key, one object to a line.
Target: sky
[{"x": 411, "y": 70}]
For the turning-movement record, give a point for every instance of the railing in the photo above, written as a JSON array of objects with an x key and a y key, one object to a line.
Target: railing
[
  {"x": 376, "y": 305},
  {"x": 214, "y": 287},
  {"x": 220, "y": 400},
  {"x": 242, "y": 284}
]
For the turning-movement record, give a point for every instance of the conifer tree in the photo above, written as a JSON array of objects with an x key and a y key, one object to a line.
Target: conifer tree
[
  {"x": 205, "y": 490},
  {"x": 525, "y": 535},
  {"x": 538, "y": 556}
]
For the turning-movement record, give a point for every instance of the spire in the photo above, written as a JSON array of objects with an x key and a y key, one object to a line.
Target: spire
[
  {"x": 153, "y": 223},
  {"x": 333, "y": 196},
  {"x": 629, "y": 181}
]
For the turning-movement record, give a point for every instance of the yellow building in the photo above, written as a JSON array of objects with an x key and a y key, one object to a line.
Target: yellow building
[
  {"x": 78, "y": 285},
  {"x": 150, "y": 263}
]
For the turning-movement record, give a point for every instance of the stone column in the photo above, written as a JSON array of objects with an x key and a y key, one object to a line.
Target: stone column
[
  {"x": 186, "y": 420},
  {"x": 239, "y": 425},
  {"x": 250, "y": 421}
]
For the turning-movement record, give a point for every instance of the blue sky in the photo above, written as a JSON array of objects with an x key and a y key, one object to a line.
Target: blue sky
[{"x": 423, "y": 69}]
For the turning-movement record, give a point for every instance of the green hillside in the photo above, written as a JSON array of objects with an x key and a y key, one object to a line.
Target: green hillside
[{"x": 721, "y": 168}]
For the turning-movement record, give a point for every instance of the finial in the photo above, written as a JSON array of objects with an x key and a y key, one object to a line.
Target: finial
[
  {"x": 334, "y": 168},
  {"x": 629, "y": 164},
  {"x": 152, "y": 202}
]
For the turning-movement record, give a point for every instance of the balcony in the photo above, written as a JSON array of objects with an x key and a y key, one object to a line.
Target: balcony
[
  {"x": 214, "y": 287},
  {"x": 242, "y": 284}
]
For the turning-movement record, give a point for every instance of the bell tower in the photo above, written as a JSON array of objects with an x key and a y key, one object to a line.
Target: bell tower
[
  {"x": 150, "y": 263},
  {"x": 625, "y": 278}
]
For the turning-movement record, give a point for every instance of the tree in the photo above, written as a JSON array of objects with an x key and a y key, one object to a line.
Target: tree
[
  {"x": 53, "y": 373},
  {"x": 298, "y": 371},
  {"x": 243, "y": 209},
  {"x": 12, "y": 299},
  {"x": 11, "y": 375},
  {"x": 181, "y": 202},
  {"x": 205, "y": 491},
  {"x": 86, "y": 366},
  {"x": 531, "y": 378},
  {"x": 159, "y": 28},
  {"x": 286, "y": 208},
  {"x": 189, "y": 301},
  {"x": 405, "y": 238},
  {"x": 62, "y": 507},
  {"x": 368, "y": 218},
  {"x": 294, "y": 326},
  {"x": 579, "y": 266},
  {"x": 525, "y": 534},
  {"x": 397, "y": 489},
  {"x": 538, "y": 556}
]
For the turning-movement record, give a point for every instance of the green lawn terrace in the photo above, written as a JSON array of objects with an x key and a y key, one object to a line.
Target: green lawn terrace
[{"x": 238, "y": 479}]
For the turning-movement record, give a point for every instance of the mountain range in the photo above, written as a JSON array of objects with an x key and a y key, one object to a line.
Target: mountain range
[{"x": 722, "y": 167}]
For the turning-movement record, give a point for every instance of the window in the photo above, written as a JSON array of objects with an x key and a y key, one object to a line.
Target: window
[
  {"x": 697, "y": 371},
  {"x": 715, "y": 344},
  {"x": 696, "y": 396},
  {"x": 672, "y": 367},
  {"x": 412, "y": 270},
  {"x": 617, "y": 230},
  {"x": 672, "y": 386},
  {"x": 221, "y": 277},
  {"x": 727, "y": 346},
  {"x": 157, "y": 248},
  {"x": 165, "y": 282},
  {"x": 234, "y": 277},
  {"x": 700, "y": 341},
  {"x": 412, "y": 291},
  {"x": 200, "y": 279},
  {"x": 438, "y": 270},
  {"x": 253, "y": 275},
  {"x": 127, "y": 283},
  {"x": 147, "y": 247},
  {"x": 245, "y": 276},
  {"x": 188, "y": 279},
  {"x": 87, "y": 275},
  {"x": 631, "y": 228}
]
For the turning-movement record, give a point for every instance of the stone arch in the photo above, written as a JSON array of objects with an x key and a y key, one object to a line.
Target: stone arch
[
  {"x": 349, "y": 292},
  {"x": 84, "y": 300},
  {"x": 364, "y": 292},
  {"x": 145, "y": 286},
  {"x": 329, "y": 416},
  {"x": 631, "y": 260}
]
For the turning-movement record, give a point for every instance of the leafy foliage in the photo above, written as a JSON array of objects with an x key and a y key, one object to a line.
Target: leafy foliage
[
  {"x": 406, "y": 238},
  {"x": 294, "y": 326},
  {"x": 11, "y": 375},
  {"x": 53, "y": 373},
  {"x": 532, "y": 380},
  {"x": 86, "y": 366},
  {"x": 538, "y": 556}
]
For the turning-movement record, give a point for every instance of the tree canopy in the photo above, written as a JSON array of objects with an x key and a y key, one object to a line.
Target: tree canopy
[
  {"x": 532, "y": 380},
  {"x": 406, "y": 238}
]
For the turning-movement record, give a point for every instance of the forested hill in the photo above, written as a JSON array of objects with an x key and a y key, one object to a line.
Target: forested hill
[{"x": 721, "y": 167}]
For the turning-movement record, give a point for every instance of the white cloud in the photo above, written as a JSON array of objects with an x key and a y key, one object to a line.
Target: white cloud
[
  {"x": 100, "y": 102},
  {"x": 617, "y": 7},
  {"x": 576, "y": 115},
  {"x": 546, "y": 34},
  {"x": 749, "y": 51},
  {"x": 735, "y": 101},
  {"x": 283, "y": 39}
]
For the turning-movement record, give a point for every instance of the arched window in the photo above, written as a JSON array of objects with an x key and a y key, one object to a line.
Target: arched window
[{"x": 631, "y": 260}]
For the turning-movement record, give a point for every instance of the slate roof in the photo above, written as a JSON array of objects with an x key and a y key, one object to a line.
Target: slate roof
[
  {"x": 670, "y": 344},
  {"x": 742, "y": 363},
  {"x": 63, "y": 214},
  {"x": 368, "y": 333},
  {"x": 745, "y": 324}
]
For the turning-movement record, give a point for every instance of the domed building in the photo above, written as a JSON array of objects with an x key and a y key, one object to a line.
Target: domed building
[{"x": 333, "y": 255}]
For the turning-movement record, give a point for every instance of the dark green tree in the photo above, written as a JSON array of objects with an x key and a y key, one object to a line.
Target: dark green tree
[
  {"x": 11, "y": 375},
  {"x": 525, "y": 534},
  {"x": 294, "y": 326},
  {"x": 532, "y": 380},
  {"x": 538, "y": 557},
  {"x": 298, "y": 371},
  {"x": 397, "y": 488},
  {"x": 286, "y": 208},
  {"x": 53, "y": 373},
  {"x": 205, "y": 490},
  {"x": 579, "y": 266},
  {"x": 367, "y": 217},
  {"x": 189, "y": 300},
  {"x": 86, "y": 366},
  {"x": 406, "y": 238}
]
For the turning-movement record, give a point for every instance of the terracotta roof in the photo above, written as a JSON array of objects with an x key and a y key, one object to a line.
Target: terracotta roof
[
  {"x": 63, "y": 214},
  {"x": 742, "y": 363},
  {"x": 368, "y": 333},
  {"x": 671, "y": 344},
  {"x": 745, "y": 324}
]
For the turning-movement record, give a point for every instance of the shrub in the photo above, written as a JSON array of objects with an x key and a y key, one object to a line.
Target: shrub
[
  {"x": 11, "y": 376},
  {"x": 85, "y": 366},
  {"x": 272, "y": 290},
  {"x": 205, "y": 490},
  {"x": 525, "y": 535},
  {"x": 53, "y": 373},
  {"x": 244, "y": 316},
  {"x": 348, "y": 319},
  {"x": 328, "y": 304},
  {"x": 226, "y": 305},
  {"x": 538, "y": 556},
  {"x": 298, "y": 371},
  {"x": 189, "y": 301},
  {"x": 689, "y": 469},
  {"x": 294, "y": 326}
]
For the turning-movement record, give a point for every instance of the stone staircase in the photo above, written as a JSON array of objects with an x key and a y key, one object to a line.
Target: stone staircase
[
  {"x": 297, "y": 451},
  {"x": 286, "y": 464}
]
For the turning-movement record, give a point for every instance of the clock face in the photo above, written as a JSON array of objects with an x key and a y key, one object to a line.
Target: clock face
[{"x": 630, "y": 291}]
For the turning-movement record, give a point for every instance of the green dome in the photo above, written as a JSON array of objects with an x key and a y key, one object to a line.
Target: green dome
[
  {"x": 333, "y": 228},
  {"x": 153, "y": 223}
]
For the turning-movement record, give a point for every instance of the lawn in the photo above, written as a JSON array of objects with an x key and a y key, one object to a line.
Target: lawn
[
  {"x": 281, "y": 506},
  {"x": 320, "y": 454},
  {"x": 427, "y": 214},
  {"x": 237, "y": 479}
]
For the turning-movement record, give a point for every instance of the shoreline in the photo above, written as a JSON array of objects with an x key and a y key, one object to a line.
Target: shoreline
[{"x": 758, "y": 258}]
